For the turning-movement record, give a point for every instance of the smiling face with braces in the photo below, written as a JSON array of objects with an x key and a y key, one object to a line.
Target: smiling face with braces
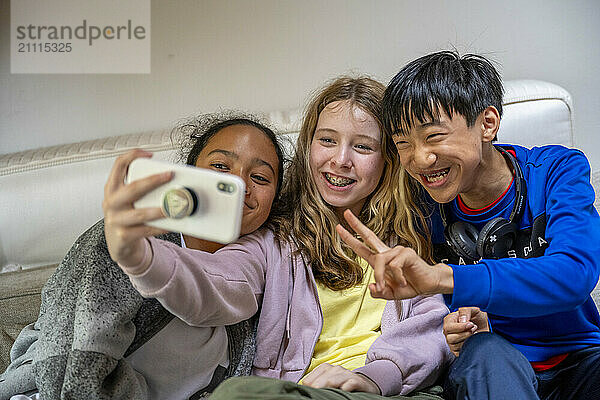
[{"x": 346, "y": 158}]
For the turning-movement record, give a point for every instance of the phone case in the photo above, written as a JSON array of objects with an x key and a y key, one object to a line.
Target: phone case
[{"x": 218, "y": 197}]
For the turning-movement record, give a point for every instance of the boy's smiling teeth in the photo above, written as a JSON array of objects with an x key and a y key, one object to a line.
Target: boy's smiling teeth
[
  {"x": 436, "y": 176},
  {"x": 338, "y": 180}
]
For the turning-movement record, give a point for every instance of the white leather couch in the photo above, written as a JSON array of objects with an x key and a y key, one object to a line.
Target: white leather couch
[{"x": 49, "y": 196}]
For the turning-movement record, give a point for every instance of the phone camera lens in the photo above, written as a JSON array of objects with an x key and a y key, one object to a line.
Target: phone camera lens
[{"x": 225, "y": 187}]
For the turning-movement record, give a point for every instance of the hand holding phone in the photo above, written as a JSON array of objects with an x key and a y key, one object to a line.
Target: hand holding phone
[{"x": 197, "y": 201}]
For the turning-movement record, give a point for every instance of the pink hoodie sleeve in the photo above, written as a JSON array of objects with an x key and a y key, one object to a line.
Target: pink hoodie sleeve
[
  {"x": 411, "y": 352},
  {"x": 205, "y": 289}
]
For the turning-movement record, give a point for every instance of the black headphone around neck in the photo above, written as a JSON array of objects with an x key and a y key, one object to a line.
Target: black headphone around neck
[{"x": 497, "y": 236}]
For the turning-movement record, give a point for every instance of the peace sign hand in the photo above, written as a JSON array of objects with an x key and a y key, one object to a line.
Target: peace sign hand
[{"x": 400, "y": 273}]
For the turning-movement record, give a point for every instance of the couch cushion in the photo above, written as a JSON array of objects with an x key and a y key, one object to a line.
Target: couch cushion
[
  {"x": 56, "y": 193},
  {"x": 20, "y": 300}
]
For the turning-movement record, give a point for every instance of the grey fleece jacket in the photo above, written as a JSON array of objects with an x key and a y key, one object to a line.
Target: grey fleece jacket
[{"x": 91, "y": 318}]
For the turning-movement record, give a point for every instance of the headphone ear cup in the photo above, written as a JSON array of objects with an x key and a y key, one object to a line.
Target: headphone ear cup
[
  {"x": 462, "y": 237},
  {"x": 496, "y": 238}
]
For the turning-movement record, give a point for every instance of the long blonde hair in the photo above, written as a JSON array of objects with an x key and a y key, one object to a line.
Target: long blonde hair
[{"x": 390, "y": 211}]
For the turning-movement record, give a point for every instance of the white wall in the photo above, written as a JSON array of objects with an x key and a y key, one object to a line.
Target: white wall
[{"x": 269, "y": 54}]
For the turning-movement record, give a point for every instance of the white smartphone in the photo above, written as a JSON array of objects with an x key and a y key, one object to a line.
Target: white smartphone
[{"x": 197, "y": 201}]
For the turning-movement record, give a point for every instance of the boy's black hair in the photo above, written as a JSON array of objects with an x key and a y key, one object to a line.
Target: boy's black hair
[{"x": 465, "y": 85}]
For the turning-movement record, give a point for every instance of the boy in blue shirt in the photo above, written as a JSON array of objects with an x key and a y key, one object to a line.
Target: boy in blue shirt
[{"x": 515, "y": 233}]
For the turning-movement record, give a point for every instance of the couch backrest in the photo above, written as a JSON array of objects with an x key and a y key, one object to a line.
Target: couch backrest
[
  {"x": 536, "y": 113},
  {"x": 49, "y": 196}
]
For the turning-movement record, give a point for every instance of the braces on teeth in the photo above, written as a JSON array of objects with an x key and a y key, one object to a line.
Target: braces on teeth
[{"x": 338, "y": 181}]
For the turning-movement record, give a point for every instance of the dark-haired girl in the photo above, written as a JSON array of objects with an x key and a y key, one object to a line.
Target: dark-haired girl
[{"x": 97, "y": 338}]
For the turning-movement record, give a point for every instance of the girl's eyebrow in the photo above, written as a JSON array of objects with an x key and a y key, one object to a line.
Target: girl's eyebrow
[
  {"x": 225, "y": 152},
  {"x": 362, "y": 136},
  {"x": 325, "y": 129},
  {"x": 261, "y": 162},
  {"x": 255, "y": 161}
]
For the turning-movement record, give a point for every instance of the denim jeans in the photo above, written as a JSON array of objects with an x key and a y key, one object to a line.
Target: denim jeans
[{"x": 489, "y": 367}]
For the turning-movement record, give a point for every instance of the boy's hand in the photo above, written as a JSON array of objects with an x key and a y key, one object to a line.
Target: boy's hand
[
  {"x": 400, "y": 273},
  {"x": 462, "y": 324}
]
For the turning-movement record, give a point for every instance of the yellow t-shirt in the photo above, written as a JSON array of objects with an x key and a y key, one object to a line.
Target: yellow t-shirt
[{"x": 351, "y": 323}]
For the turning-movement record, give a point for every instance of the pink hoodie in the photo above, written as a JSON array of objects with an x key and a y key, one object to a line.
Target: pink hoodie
[{"x": 256, "y": 274}]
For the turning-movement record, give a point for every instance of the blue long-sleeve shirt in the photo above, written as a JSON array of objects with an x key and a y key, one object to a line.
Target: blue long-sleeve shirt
[{"x": 540, "y": 300}]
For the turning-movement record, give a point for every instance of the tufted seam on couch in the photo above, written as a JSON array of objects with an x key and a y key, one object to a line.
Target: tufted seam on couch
[
  {"x": 77, "y": 152},
  {"x": 285, "y": 122}
]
